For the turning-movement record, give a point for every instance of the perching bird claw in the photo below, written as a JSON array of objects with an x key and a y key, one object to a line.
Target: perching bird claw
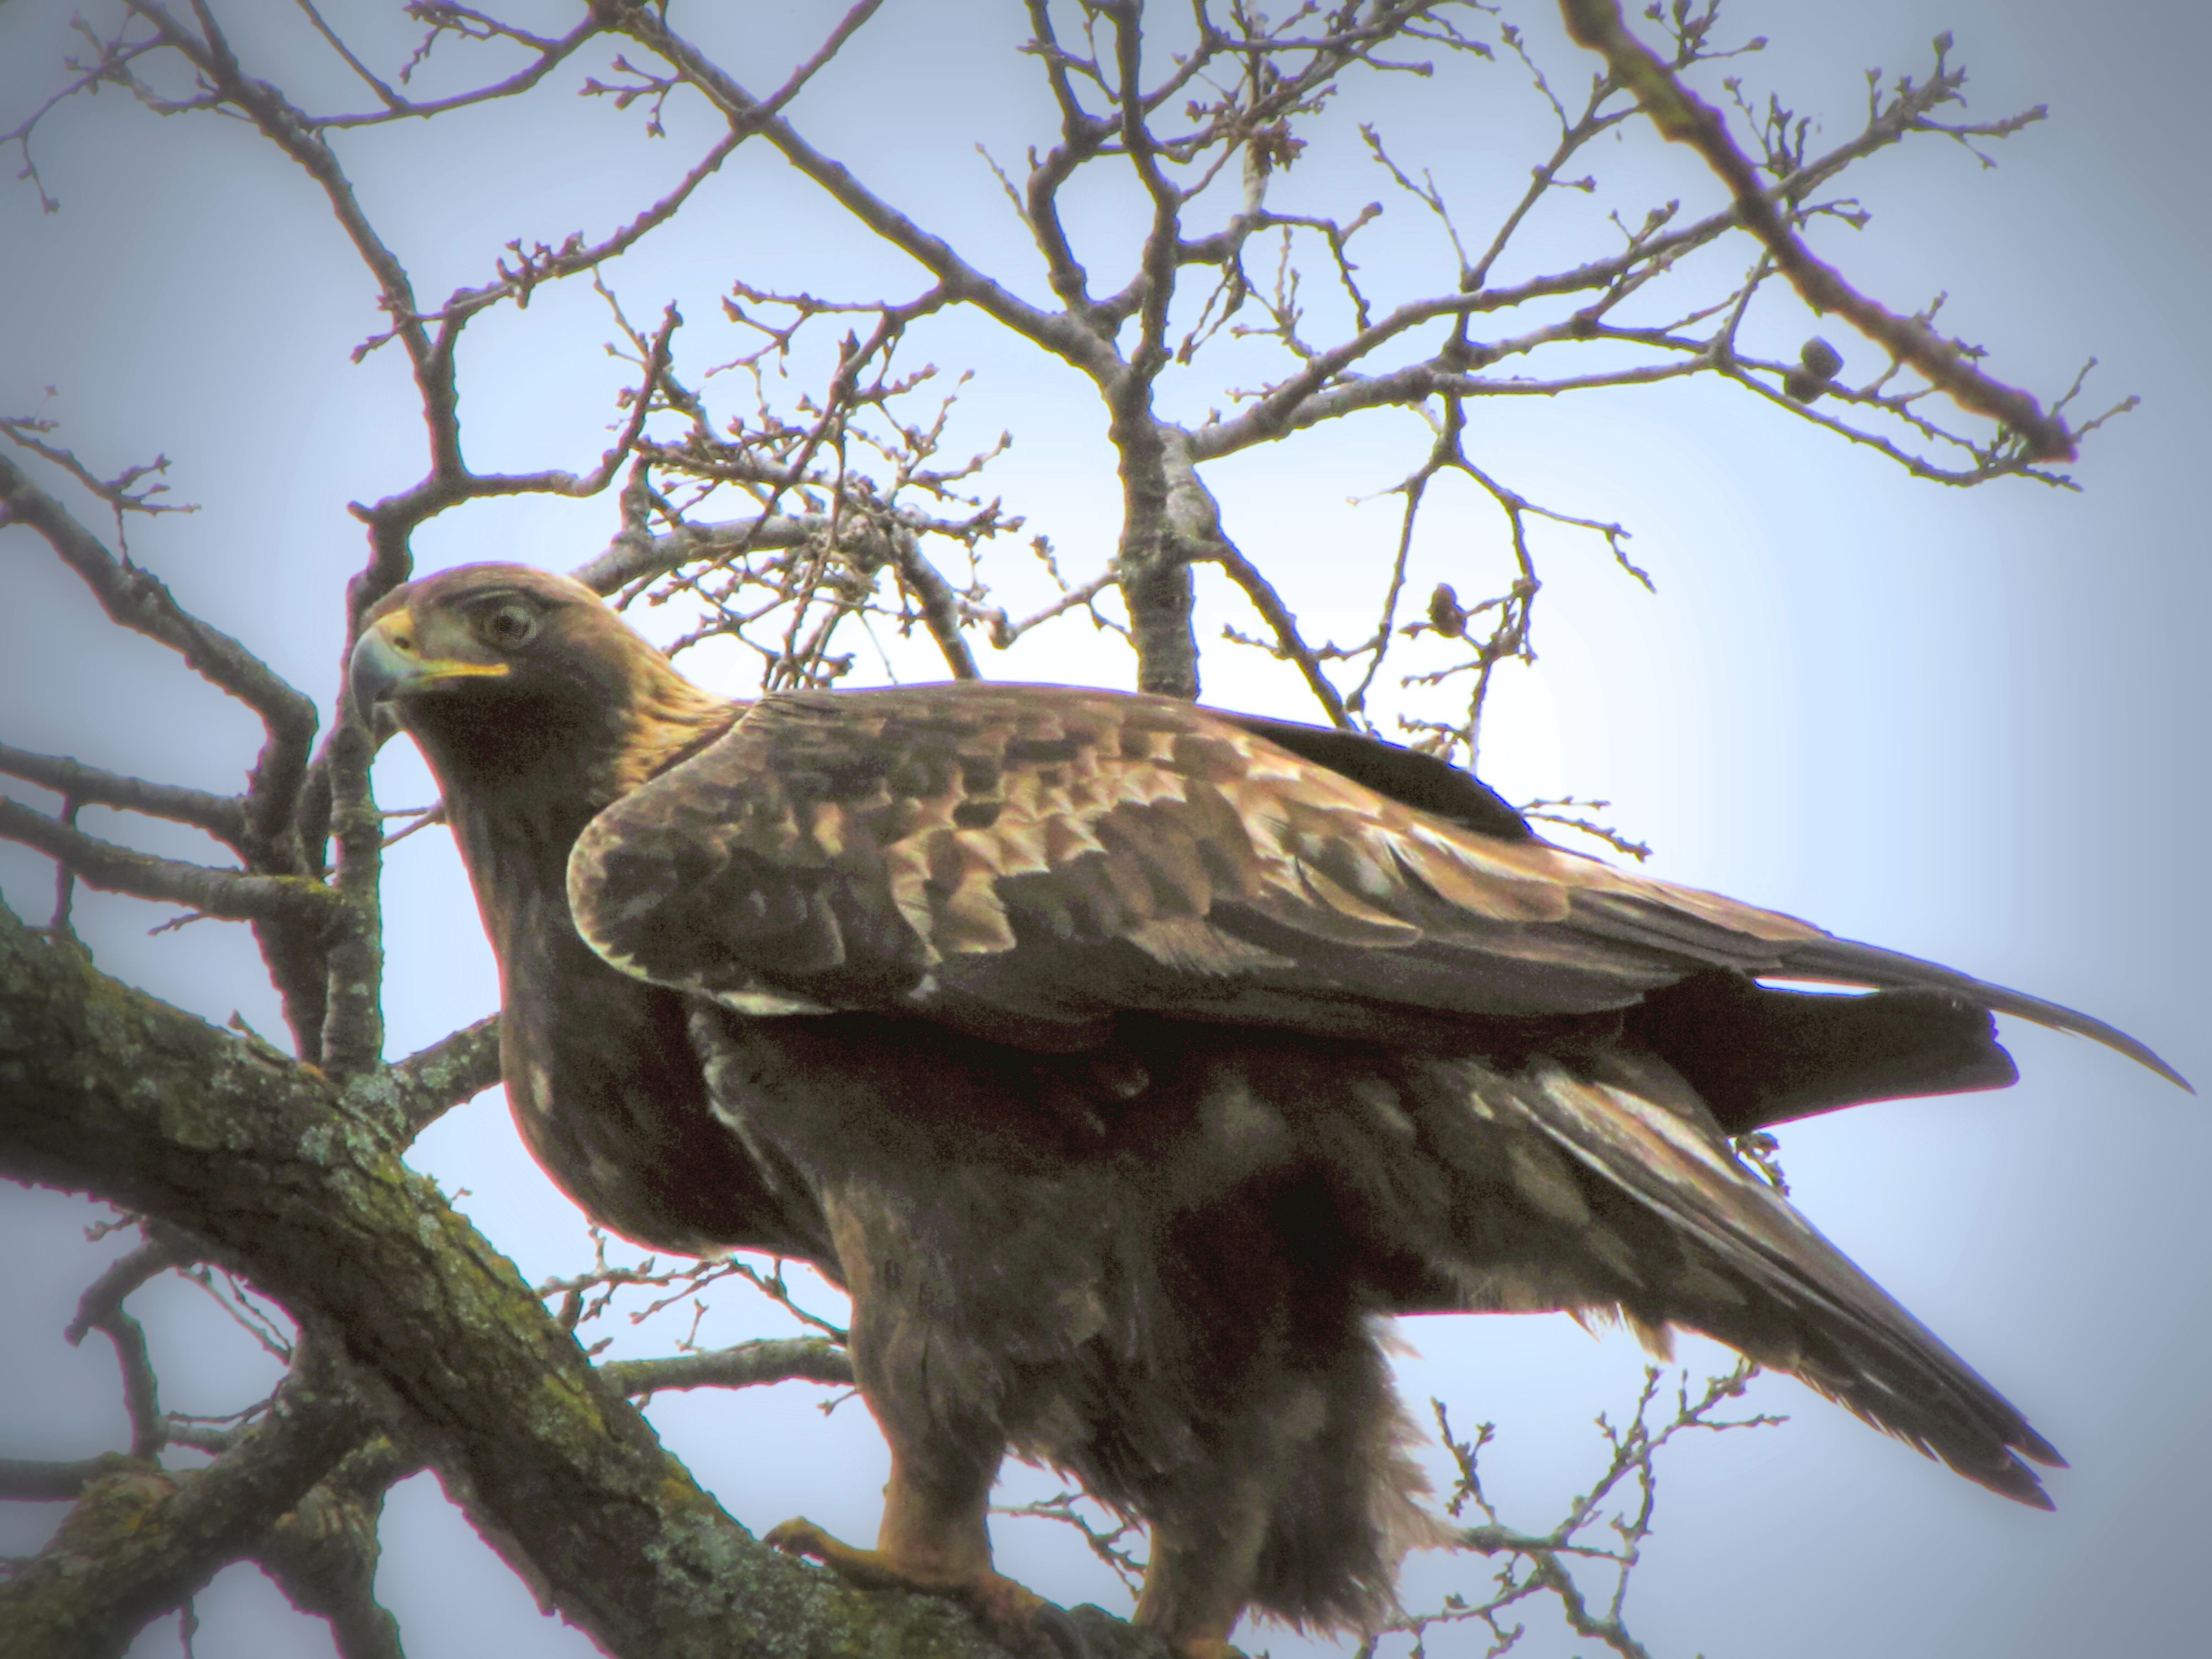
[{"x": 1018, "y": 1619}]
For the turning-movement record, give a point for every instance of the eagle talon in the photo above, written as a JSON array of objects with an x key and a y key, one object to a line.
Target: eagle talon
[
  {"x": 867, "y": 1569},
  {"x": 1016, "y": 1617},
  {"x": 799, "y": 1536}
]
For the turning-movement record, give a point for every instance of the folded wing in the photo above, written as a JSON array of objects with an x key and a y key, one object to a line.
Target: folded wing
[{"x": 1026, "y": 862}]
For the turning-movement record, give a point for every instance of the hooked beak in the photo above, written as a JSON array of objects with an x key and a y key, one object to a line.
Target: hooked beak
[{"x": 387, "y": 664}]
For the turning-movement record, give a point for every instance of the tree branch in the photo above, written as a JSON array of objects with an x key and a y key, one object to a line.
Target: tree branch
[
  {"x": 749, "y": 1365},
  {"x": 28, "y": 1480},
  {"x": 292, "y": 131},
  {"x": 398, "y": 107},
  {"x": 113, "y": 1092},
  {"x": 351, "y": 1041},
  {"x": 222, "y": 817},
  {"x": 940, "y": 609},
  {"x": 231, "y": 894},
  {"x": 1289, "y": 642},
  {"x": 142, "y": 1540},
  {"x": 1682, "y": 116},
  {"x": 100, "y": 1308},
  {"x": 324, "y": 1553},
  {"x": 430, "y": 1082},
  {"x": 1057, "y": 333},
  {"x": 135, "y": 599},
  {"x": 633, "y": 555}
]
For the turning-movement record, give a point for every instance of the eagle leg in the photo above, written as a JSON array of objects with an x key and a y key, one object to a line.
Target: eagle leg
[
  {"x": 1193, "y": 1597},
  {"x": 934, "y": 1543}
]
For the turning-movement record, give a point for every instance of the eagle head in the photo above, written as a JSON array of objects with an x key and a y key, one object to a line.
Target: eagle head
[{"x": 500, "y": 670}]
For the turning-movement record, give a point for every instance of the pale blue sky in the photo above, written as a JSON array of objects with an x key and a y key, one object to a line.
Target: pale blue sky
[{"x": 1969, "y": 725}]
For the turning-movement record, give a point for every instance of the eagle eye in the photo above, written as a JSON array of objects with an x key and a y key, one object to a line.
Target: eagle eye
[{"x": 508, "y": 626}]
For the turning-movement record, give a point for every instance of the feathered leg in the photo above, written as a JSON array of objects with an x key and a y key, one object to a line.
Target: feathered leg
[
  {"x": 1194, "y": 1596},
  {"x": 1304, "y": 1499},
  {"x": 933, "y": 1538}
]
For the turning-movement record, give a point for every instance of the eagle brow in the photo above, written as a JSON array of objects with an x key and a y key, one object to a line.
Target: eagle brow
[{"x": 498, "y": 596}]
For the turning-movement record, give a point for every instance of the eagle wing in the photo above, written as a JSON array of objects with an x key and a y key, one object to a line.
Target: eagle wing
[{"x": 1026, "y": 862}]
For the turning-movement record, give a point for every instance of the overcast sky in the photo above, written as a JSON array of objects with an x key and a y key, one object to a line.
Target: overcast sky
[{"x": 1967, "y": 725}]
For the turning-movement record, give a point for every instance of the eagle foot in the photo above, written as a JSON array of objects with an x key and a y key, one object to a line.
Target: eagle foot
[{"x": 1018, "y": 1619}]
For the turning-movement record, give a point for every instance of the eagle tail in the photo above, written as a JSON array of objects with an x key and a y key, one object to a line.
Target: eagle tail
[{"x": 1759, "y": 1055}]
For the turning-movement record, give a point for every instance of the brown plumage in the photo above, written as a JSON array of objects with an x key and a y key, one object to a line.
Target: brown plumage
[{"x": 1129, "y": 1061}]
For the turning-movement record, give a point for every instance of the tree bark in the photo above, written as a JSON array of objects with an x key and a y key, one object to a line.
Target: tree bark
[{"x": 297, "y": 1183}]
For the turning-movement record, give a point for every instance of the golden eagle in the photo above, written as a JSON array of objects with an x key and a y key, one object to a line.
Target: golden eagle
[{"x": 1131, "y": 1062}]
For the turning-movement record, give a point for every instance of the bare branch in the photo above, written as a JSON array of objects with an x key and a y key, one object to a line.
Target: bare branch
[
  {"x": 1681, "y": 115},
  {"x": 1620, "y": 1503},
  {"x": 323, "y": 1554},
  {"x": 231, "y": 894},
  {"x": 132, "y": 490},
  {"x": 939, "y": 608},
  {"x": 1058, "y": 334},
  {"x": 100, "y": 1308},
  {"x": 397, "y": 106},
  {"x": 1571, "y": 813},
  {"x": 30, "y": 1481},
  {"x": 352, "y": 1037},
  {"x": 637, "y": 556},
  {"x": 1067, "y": 1508},
  {"x": 292, "y": 131},
  {"x": 1005, "y": 630},
  {"x": 635, "y": 1552},
  {"x": 1289, "y": 643},
  {"x": 222, "y": 817},
  {"x": 749, "y": 1365},
  {"x": 142, "y": 1540},
  {"x": 110, "y": 66},
  {"x": 134, "y": 598}
]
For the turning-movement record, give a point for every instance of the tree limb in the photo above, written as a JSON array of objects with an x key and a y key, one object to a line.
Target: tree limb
[
  {"x": 422, "y": 1088},
  {"x": 135, "y": 600},
  {"x": 222, "y": 817},
  {"x": 551, "y": 54},
  {"x": 748, "y": 1365},
  {"x": 323, "y": 1554},
  {"x": 108, "y": 1090},
  {"x": 1682, "y": 116},
  {"x": 231, "y": 894},
  {"x": 1057, "y": 333},
  {"x": 142, "y": 1540},
  {"x": 30, "y": 1480},
  {"x": 940, "y": 609},
  {"x": 100, "y": 1308}
]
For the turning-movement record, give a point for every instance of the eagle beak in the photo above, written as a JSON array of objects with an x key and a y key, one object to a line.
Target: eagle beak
[{"x": 387, "y": 664}]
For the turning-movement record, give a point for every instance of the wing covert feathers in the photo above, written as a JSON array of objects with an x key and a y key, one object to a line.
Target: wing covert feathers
[{"x": 1027, "y": 862}]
